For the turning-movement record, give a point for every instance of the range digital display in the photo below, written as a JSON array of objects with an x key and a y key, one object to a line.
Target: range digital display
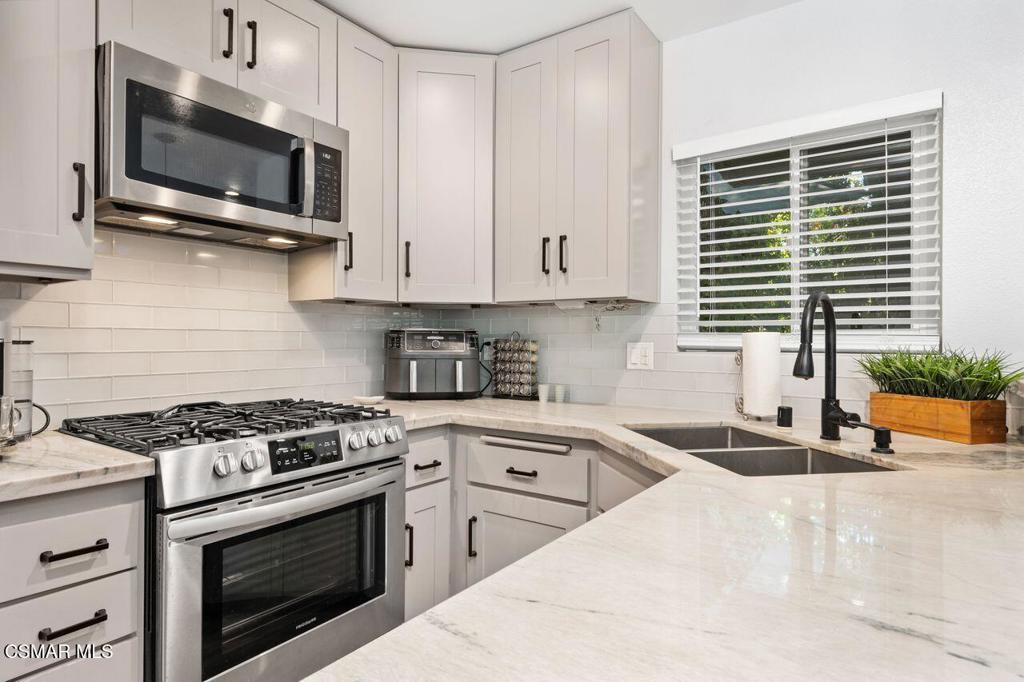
[{"x": 303, "y": 452}]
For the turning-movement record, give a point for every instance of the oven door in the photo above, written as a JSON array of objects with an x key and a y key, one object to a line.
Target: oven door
[{"x": 282, "y": 583}]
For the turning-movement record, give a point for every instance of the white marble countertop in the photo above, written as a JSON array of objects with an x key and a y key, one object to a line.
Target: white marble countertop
[{"x": 910, "y": 575}]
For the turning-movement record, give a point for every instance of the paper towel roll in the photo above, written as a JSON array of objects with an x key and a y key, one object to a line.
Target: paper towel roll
[{"x": 762, "y": 373}]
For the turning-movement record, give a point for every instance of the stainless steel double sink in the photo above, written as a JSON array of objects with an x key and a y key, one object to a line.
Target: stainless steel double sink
[{"x": 753, "y": 454}]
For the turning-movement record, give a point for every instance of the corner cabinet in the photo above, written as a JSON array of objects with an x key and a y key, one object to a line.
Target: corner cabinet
[
  {"x": 445, "y": 172},
  {"x": 364, "y": 267},
  {"x": 594, "y": 91},
  {"x": 46, "y": 138}
]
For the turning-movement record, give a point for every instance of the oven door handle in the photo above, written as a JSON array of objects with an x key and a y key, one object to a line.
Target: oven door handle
[{"x": 277, "y": 511}]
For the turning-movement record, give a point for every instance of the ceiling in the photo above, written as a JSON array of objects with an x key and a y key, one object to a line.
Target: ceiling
[{"x": 498, "y": 25}]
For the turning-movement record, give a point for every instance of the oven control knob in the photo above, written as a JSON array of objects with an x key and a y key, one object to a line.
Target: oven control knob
[
  {"x": 375, "y": 437},
  {"x": 356, "y": 441},
  {"x": 393, "y": 434},
  {"x": 435, "y": 344},
  {"x": 252, "y": 460},
  {"x": 225, "y": 465}
]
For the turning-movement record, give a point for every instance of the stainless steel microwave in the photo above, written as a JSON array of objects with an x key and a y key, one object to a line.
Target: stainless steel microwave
[{"x": 186, "y": 155}]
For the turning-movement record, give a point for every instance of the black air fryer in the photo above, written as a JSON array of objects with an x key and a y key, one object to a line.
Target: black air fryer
[{"x": 432, "y": 364}]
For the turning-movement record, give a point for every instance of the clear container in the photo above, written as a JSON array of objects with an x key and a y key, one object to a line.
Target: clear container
[{"x": 20, "y": 389}]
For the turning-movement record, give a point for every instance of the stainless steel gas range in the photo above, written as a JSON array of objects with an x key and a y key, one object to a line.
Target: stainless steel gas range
[{"x": 275, "y": 534}]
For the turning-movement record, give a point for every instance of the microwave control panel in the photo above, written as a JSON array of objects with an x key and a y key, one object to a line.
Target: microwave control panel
[
  {"x": 327, "y": 195},
  {"x": 303, "y": 452}
]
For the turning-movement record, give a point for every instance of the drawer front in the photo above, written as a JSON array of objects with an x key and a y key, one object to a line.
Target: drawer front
[
  {"x": 54, "y": 552},
  {"x": 124, "y": 664},
  {"x": 429, "y": 460},
  {"x": 543, "y": 473},
  {"x": 117, "y": 596}
]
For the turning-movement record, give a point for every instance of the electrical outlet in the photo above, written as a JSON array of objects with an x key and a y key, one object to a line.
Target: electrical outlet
[{"x": 640, "y": 355}]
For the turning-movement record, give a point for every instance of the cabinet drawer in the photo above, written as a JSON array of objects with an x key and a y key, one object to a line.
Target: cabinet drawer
[
  {"x": 429, "y": 460},
  {"x": 543, "y": 473},
  {"x": 99, "y": 541},
  {"x": 117, "y": 596},
  {"x": 123, "y": 665}
]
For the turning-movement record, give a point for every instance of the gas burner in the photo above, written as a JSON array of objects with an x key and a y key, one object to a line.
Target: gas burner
[{"x": 198, "y": 423}]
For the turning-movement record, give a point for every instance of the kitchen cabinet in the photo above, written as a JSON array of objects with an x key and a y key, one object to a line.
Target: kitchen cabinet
[
  {"x": 503, "y": 527},
  {"x": 603, "y": 240},
  {"x": 445, "y": 172},
  {"x": 46, "y": 138},
  {"x": 428, "y": 541},
  {"x": 365, "y": 267}
]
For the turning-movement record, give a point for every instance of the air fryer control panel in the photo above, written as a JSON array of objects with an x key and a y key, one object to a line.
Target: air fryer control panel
[{"x": 327, "y": 195}]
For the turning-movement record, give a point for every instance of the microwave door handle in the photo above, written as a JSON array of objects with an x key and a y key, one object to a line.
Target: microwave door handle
[
  {"x": 305, "y": 174},
  {"x": 277, "y": 511}
]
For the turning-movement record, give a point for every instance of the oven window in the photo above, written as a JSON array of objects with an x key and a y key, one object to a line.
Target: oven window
[
  {"x": 268, "y": 586},
  {"x": 174, "y": 142}
]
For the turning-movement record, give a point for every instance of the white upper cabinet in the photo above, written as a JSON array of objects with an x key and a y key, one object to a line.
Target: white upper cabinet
[
  {"x": 47, "y": 49},
  {"x": 198, "y": 35},
  {"x": 445, "y": 173},
  {"x": 288, "y": 54},
  {"x": 524, "y": 173}
]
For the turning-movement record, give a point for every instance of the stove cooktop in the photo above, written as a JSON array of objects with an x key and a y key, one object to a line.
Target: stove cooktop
[{"x": 146, "y": 433}]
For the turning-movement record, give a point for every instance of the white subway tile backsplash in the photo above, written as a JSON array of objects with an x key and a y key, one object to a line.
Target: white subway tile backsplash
[
  {"x": 148, "y": 339},
  {"x": 107, "y": 364},
  {"x": 83, "y": 291},
  {"x": 149, "y": 385},
  {"x": 34, "y": 313},
  {"x": 141, "y": 293},
  {"x": 186, "y": 275},
  {"x": 58, "y": 340},
  {"x": 99, "y": 315},
  {"x": 55, "y": 391}
]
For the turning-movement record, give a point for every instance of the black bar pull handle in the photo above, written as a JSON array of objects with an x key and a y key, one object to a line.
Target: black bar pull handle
[
  {"x": 351, "y": 254},
  {"x": 229, "y": 12},
  {"x": 408, "y": 527},
  {"x": 49, "y": 556},
  {"x": 408, "y": 273},
  {"x": 252, "y": 62},
  {"x": 433, "y": 465},
  {"x": 544, "y": 244},
  {"x": 516, "y": 472},
  {"x": 472, "y": 522},
  {"x": 46, "y": 634},
  {"x": 562, "y": 239},
  {"x": 78, "y": 215}
]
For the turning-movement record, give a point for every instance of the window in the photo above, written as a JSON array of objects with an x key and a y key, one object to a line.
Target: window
[{"x": 853, "y": 212}]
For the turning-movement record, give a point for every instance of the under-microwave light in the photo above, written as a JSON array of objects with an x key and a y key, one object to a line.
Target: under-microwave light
[
  {"x": 159, "y": 220},
  {"x": 281, "y": 240},
  {"x": 230, "y": 193}
]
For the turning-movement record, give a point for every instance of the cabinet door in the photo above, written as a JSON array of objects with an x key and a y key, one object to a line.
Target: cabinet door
[
  {"x": 46, "y": 127},
  {"x": 592, "y": 249},
  {"x": 505, "y": 527},
  {"x": 193, "y": 34},
  {"x": 428, "y": 536},
  {"x": 524, "y": 173},
  {"x": 287, "y": 53},
  {"x": 368, "y": 109},
  {"x": 445, "y": 172}
]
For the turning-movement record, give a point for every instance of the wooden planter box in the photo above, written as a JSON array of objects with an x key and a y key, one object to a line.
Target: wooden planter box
[{"x": 962, "y": 421}]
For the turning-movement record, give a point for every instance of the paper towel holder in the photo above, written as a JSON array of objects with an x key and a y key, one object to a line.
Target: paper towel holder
[{"x": 744, "y": 383}]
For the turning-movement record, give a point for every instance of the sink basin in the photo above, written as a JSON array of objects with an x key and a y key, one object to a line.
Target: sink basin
[{"x": 753, "y": 454}]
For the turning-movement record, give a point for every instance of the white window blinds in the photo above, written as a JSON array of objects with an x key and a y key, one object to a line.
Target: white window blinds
[{"x": 853, "y": 212}]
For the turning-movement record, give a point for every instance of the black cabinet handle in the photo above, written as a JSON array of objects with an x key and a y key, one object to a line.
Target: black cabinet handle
[
  {"x": 420, "y": 467},
  {"x": 79, "y": 168},
  {"x": 516, "y": 472},
  {"x": 544, "y": 243},
  {"x": 229, "y": 12},
  {"x": 49, "y": 556},
  {"x": 351, "y": 254},
  {"x": 408, "y": 527},
  {"x": 252, "y": 62},
  {"x": 472, "y": 522},
  {"x": 408, "y": 273},
  {"x": 562, "y": 239},
  {"x": 46, "y": 634}
]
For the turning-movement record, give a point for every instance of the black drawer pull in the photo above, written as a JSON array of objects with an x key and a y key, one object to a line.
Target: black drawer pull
[
  {"x": 408, "y": 273},
  {"x": 516, "y": 472},
  {"x": 252, "y": 62},
  {"x": 80, "y": 213},
  {"x": 46, "y": 634},
  {"x": 351, "y": 254},
  {"x": 544, "y": 245},
  {"x": 472, "y": 522},
  {"x": 229, "y": 12},
  {"x": 49, "y": 556},
  {"x": 408, "y": 527},
  {"x": 433, "y": 465}
]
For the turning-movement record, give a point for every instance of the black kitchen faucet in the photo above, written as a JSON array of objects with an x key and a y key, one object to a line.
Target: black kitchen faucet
[{"x": 832, "y": 415}]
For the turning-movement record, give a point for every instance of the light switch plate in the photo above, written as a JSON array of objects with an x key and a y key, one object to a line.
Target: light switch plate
[{"x": 640, "y": 355}]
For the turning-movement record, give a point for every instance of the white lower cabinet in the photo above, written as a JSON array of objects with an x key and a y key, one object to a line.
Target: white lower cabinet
[
  {"x": 504, "y": 527},
  {"x": 427, "y": 551},
  {"x": 123, "y": 663}
]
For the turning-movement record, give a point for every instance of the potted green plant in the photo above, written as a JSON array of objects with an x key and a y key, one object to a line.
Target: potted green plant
[{"x": 953, "y": 395}]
